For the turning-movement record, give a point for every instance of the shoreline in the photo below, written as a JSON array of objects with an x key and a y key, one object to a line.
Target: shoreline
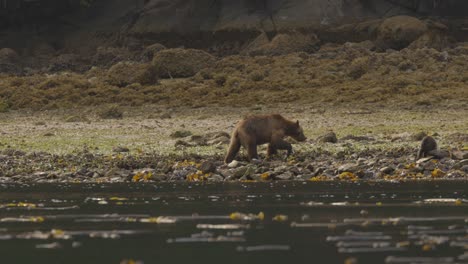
[{"x": 190, "y": 146}]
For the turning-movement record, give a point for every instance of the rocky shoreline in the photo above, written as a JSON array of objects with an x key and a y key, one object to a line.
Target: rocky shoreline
[{"x": 319, "y": 164}]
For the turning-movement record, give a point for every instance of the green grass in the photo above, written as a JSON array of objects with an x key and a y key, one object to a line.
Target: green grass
[{"x": 47, "y": 131}]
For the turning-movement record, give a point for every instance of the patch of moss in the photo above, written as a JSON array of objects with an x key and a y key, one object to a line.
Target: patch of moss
[{"x": 111, "y": 112}]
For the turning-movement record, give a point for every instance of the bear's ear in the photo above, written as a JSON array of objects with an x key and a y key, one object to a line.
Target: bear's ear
[{"x": 297, "y": 123}]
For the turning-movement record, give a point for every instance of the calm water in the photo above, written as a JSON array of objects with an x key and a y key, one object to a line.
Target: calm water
[{"x": 235, "y": 223}]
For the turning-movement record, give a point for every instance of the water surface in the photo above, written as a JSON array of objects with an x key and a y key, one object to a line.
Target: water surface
[{"x": 278, "y": 222}]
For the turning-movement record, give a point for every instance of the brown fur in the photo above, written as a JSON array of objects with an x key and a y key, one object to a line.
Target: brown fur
[
  {"x": 257, "y": 130},
  {"x": 428, "y": 144}
]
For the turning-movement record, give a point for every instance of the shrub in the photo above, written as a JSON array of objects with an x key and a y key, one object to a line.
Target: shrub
[
  {"x": 126, "y": 73},
  {"x": 174, "y": 63},
  {"x": 111, "y": 112}
]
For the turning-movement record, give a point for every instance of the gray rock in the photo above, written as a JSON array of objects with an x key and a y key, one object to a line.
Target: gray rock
[
  {"x": 233, "y": 164},
  {"x": 180, "y": 134},
  {"x": 424, "y": 160},
  {"x": 330, "y": 137},
  {"x": 456, "y": 174},
  {"x": 304, "y": 177},
  {"x": 464, "y": 168},
  {"x": 285, "y": 176},
  {"x": 165, "y": 116},
  {"x": 368, "y": 174},
  {"x": 215, "y": 178},
  {"x": 439, "y": 153},
  {"x": 281, "y": 169},
  {"x": 429, "y": 166},
  {"x": 387, "y": 170},
  {"x": 460, "y": 155},
  {"x": 120, "y": 149},
  {"x": 245, "y": 171},
  {"x": 460, "y": 164},
  {"x": 350, "y": 167},
  {"x": 208, "y": 167},
  {"x": 182, "y": 143},
  {"x": 181, "y": 174},
  {"x": 357, "y": 138},
  {"x": 318, "y": 171}
]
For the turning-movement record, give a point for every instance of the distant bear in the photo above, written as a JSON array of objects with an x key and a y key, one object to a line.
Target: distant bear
[
  {"x": 257, "y": 130},
  {"x": 428, "y": 144}
]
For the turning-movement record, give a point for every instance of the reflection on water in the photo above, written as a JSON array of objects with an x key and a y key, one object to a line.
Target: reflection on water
[{"x": 300, "y": 222}]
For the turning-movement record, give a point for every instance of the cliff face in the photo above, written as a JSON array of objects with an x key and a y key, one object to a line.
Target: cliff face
[
  {"x": 269, "y": 15},
  {"x": 199, "y": 23}
]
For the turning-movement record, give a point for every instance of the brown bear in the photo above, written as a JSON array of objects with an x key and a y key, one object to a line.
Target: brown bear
[
  {"x": 428, "y": 144},
  {"x": 261, "y": 129}
]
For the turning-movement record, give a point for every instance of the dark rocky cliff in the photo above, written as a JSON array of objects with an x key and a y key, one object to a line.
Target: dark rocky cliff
[{"x": 201, "y": 23}]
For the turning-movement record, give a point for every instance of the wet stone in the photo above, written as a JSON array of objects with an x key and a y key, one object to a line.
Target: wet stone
[
  {"x": 459, "y": 155},
  {"x": 464, "y": 168},
  {"x": 423, "y": 160},
  {"x": 233, "y": 164},
  {"x": 330, "y": 137},
  {"x": 245, "y": 171},
  {"x": 439, "y": 154},
  {"x": 285, "y": 176},
  {"x": 208, "y": 167},
  {"x": 120, "y": 149},
  {"x": 215, "y": 178},
  {"x": 350, "y": 167},
  {"x": 181, "y": 134},
  {"x": 460, "y": 164},
  {"x": 357, "y": 138},
  {"x": 387, "y": 170},
  {"x": 319, "y": 171},
  {"x": 456, "y": 175},
  {"x": 429, "y": 166},
  {"x": 329, "y": 173}
]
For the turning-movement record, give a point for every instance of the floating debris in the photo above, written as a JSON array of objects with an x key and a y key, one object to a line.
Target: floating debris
[
  {"x": 312, "y": 203},
  {"x": 358, "y": 238},
  {"x": 403, "y": 220},
  {"x": 439, "y": 232},
  {"x": 6, "y": 237},
  {"x": 264, "y": 248},
  {"x": 280, "y": 218},
  {"x": 205, "y": 239},
  {"x": 31, "y": 219},
  {"x": 247, "y": 217},
  {"x": 368, "y": 244},
  {"x": 360, "y": 233},
  {"x": 159, "y": 220},
  {"x": 118, "y": 199},
  {"x": 222, "y": 226},
  {"x": 370, "y": 250},
  {"x": 318, "y": 225},
  {"x": 454, "y": 201},
  {"x": 340, "y": 203},
  {"x": 131, "y": 261},
  {"x": 20, "y": 205},
  {"x": 53, "y": 245},
  {"x": 426, "y": 260}
]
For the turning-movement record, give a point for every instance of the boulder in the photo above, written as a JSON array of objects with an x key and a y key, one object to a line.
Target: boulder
[
  {"x": 283, "y": 43},
  {"x": 399, "y": 32},
  {"x": 179, "y": 62},
  {"x": 125, "y": 73},
  {"x": 436, "y": 37},
  {"x": 8, "y": 55},
  {"x": 149, "y": 51},
  {"x": 9, "y": 61}
]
